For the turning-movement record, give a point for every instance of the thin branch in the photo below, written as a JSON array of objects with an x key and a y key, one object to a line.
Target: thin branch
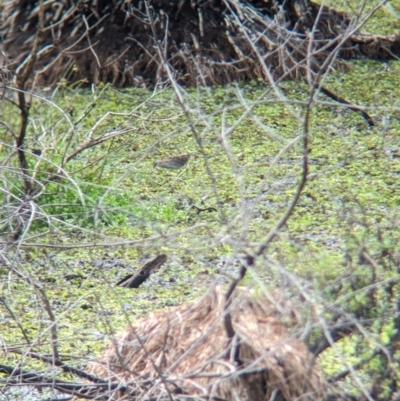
[
  {"x": 95, "y": 391},
  {"x": 57, "y": 362},
  {"x": 22, "y": 75}
]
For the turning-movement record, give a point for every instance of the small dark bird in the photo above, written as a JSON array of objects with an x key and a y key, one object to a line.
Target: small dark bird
[
  {"x": 135, "y": 280},
  {"x": 172, "y": 162}
]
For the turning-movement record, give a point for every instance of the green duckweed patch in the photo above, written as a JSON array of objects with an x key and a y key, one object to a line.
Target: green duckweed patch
[{"x": 114, "y": 194}]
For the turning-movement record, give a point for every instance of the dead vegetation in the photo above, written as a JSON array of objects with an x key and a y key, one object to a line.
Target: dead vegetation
[
  {"x": 185, "y": 351},
  {"x": 205, "y": 42}
]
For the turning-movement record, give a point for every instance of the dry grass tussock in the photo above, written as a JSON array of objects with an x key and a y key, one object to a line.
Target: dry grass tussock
[{"x": 185, "y": 351}]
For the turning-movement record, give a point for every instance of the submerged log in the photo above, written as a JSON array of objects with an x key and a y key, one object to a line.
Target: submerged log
[{"x": 138, "y": 278}]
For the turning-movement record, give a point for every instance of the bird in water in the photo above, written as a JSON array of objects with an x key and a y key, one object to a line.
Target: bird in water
[{"x": 172, "y": 162}]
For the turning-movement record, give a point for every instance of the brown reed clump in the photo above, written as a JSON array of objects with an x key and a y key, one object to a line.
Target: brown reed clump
[
  {"x": 188, "y": 347},
  {"x": 212, "y": 42}
]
